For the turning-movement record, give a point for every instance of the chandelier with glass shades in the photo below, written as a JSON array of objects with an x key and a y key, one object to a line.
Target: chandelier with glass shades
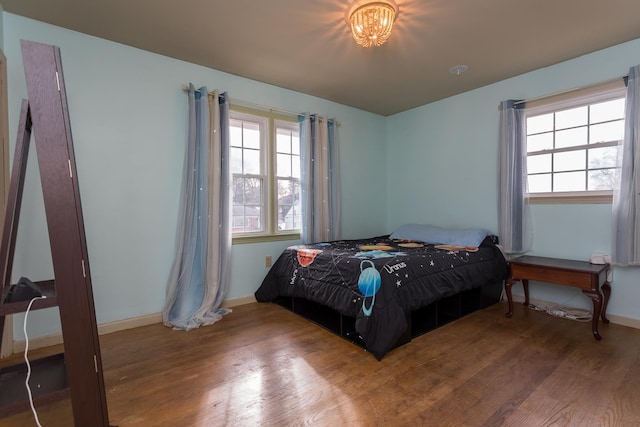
[{"x": 372, "y": 21}]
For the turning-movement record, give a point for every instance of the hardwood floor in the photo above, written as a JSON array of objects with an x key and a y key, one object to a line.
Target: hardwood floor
[{"x": 262, "y": 365}]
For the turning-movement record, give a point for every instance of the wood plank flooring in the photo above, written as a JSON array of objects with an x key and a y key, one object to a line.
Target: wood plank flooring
[{"x": 262, "y": 365}]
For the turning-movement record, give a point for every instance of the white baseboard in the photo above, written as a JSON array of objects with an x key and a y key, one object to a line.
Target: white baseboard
[
  {"x": 103, "y": 329},
  {"x": 624, "y": 321},
  {"x": 615, "y": 319},
  {"x": 37, "y": 342},
  {"x": 118, "y": 325},
  {"x": 238, "y": 301},
  {"x": 135, "y": 322}
]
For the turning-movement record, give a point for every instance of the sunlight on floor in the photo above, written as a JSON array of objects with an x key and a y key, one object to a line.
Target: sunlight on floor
[{"x": 289, "y": 390}]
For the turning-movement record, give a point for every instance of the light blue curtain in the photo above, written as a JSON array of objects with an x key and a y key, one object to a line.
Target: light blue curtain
[
  {"x": 513, "y": 211},
  {"x": 320, "y": 179},
  {"x": 626, "y": 221},
  {"x": 200, "y": 274}
]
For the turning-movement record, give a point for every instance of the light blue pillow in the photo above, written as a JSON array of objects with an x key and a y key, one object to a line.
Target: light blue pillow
[{"x": 432, "y": 234}]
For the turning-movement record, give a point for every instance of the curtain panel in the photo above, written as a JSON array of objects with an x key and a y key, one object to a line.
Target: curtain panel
[
  {"x": 513, "y": 211},
  {"x": 626, "y": 221},
  {"x": 320, "y": 179},
  {"x": 200, "y": 274}
]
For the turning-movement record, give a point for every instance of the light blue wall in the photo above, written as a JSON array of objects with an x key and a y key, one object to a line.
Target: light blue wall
[
  {"x": 128, "y": 118},
  {"x": 1, "y": 27},
  {"x": 443, "y": 170}
]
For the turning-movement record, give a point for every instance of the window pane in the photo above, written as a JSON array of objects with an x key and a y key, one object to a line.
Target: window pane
[
  {"x": 251, "y": 135},
  {"x": 288, "y": 205},
  {"x": 571, "y": 118},
  {"x": 569, "y": 181},
  {"x": 253, "y": 191},
  {"x": 247, "y": 191},
  {"x": 570, "y": 160},
  {"x": 602, "y": 179},
  {"x": 296, "y": 217},
  {"x": 539, "y": 163},
  {"x": 253, "y": 219},
  {"x": 295, "y": 144},
  {"x": 283, "y": 165},
  {"x": 238, "y": 219},
  {"x": 236, "y": 160},
  {"x": 604, "y": 157},
  {"x": 238, "y": 191},
  {"x": 238, "y": 222},
  {"x": 295, "y": 167},
  {"x": 285, "y": 191},
  {"x": 251, "y": 162},
  {"x": 542, "y": 141},
  {"x": 606, "y": 132},
  {"x": 283, "y": 141},
  {"x": 609, "y": 110},
  {"x": 540, "y": 183},
  {"x": 247, "y": 218},
  {"x": 571, "y": 137},
  {"x": 235, "y": 133},
  {"x": 537, "y": 124}
]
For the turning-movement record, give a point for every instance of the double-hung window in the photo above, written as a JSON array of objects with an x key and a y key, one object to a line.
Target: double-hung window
[
  {"x": 572, "y": 144},
  {"x": 265, "y": 167}
]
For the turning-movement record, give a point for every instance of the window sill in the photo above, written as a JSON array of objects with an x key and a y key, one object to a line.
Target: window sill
[
  {"x": 242, "y": 240},
  {"x": 570, "y": 198}
]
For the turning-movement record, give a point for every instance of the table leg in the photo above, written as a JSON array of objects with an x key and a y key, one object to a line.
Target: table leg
[
  {"x": 507, "y": 290},
  {"x": 596, "y": 297},
  {"x": 606, "y": 291},
  {"x": 525, "y": 286}
]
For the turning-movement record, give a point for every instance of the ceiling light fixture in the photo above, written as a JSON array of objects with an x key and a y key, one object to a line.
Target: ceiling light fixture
[{"x": 372, "y": 21}]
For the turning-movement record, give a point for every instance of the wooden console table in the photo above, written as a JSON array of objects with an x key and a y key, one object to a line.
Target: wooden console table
[{"x": 591, "y": 278}]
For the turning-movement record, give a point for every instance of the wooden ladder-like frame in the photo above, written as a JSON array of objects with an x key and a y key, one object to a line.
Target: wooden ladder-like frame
[{"x": 78, "y": 371}]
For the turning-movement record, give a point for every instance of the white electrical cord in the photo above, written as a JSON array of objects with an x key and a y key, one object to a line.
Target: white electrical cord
[
  {"x": 571, "y": 313},
  {"x": 26, "y": 359}
]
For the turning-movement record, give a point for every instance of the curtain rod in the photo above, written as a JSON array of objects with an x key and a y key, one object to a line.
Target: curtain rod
[
  {"x": 537, "y": 98},
  {"x": 259, "y": 106}
]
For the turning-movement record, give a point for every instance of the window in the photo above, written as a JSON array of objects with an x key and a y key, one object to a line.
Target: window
[
  {"x": 572, "y": 144},
  {"x": 265, "y": 167}
]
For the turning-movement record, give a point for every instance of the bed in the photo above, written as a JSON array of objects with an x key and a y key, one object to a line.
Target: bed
[{"x": 383, "y": 291}]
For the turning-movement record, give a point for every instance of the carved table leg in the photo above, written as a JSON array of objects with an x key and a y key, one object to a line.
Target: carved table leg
[
  {"x": 596, "y": 297},
  {"x": 606, "y": 292},
  {"x": 507, "y": 289}
]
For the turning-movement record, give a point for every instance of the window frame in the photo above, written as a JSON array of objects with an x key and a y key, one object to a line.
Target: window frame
[
  {"x": 268, "y": 158},
  {"x": 595, "y": 94}
]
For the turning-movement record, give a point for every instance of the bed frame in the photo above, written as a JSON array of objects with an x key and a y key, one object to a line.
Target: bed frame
[{"x": 419, "y": 321}]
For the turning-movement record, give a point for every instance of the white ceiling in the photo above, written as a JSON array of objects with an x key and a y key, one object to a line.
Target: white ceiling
[{"x": 306, "y": 46}]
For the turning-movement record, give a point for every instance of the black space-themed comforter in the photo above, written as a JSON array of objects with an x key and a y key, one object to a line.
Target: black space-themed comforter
[{"x": 378, "y": 280}]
